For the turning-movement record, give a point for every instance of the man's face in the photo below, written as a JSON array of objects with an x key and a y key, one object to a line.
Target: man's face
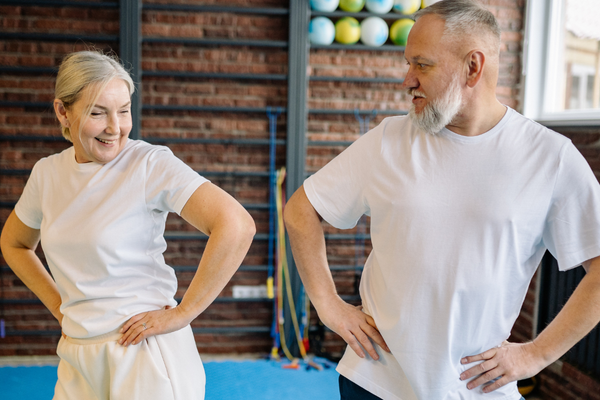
[{"x": 433, "y": 77}]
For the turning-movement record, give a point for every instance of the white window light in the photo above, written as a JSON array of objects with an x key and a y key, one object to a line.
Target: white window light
[{"x": 561, "y": 62}]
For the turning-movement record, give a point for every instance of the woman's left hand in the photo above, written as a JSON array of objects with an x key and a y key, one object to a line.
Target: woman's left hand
[{"x": 151, "y": 323}]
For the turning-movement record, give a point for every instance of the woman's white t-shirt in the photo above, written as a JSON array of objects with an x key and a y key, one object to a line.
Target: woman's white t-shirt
[{"x": 102, "y": 231}]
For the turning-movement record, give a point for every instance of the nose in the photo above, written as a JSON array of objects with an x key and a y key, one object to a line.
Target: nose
[
  {"x": 113, "y": 125},
  {"x": 410, "y": 80}
]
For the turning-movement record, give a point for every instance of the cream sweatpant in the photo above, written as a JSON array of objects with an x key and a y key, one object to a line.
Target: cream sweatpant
[{"x": 164, "y": 367}]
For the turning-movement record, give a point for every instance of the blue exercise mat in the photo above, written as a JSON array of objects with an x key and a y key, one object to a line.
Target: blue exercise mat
[{"x": 225, "y": 380}]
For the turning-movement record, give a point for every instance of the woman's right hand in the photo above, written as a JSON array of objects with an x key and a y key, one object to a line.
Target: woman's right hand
[{"x": 152, "y": 323}]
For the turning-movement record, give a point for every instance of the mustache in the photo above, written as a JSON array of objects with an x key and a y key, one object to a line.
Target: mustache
[{"x": 415, "y": 92}]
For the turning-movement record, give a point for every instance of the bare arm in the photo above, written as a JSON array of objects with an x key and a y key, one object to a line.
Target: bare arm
[
  {"x": 230, "y": 229},
  {"x": 18, "y": 244},
  {"x": 514, "y": 361},
  {"x": 308, "y": 246}
]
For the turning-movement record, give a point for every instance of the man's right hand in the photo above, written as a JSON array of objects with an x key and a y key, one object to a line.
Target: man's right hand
[{"x": 354, "y": 326}]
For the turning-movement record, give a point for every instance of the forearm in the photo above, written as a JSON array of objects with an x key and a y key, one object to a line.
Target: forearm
[
  {"x": 30, "y": 270},
  {"x": 580, "y": 314},
  {"x": 308, "y": 247},
  {"x": 224, "y": 252},
  {"x": 18, "y": 243}
]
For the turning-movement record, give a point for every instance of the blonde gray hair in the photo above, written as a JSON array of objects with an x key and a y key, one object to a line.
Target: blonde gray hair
[
  {"x": 465, "y": 18},
  {"x": 87, "y": 68}
]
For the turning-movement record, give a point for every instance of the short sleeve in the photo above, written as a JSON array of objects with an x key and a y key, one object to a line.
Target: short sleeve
[
  {"x": 572, "y": 231},
  {"x": 169, "y": 181},
  {"x": 337, "y": 191},
  {"x": 29, "y": 206}
]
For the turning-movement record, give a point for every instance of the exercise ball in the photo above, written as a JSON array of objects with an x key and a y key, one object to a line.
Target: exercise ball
[
  {"x": 321, "y": 31},
  {"x": 427, "y": 3},
  {"x": 352, "y": 5},
  {"x": 373, "y": 31},
  {"x": 379, "y": 6},
  {"x": 324, "y": 5},
  {"x": 399, "y": 31},
  {"x": 347, "y": 30},
  {"x": 406, "y": 6}
]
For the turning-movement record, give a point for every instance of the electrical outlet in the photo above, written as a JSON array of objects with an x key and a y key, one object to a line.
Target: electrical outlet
[{"x": 249, "y": 292}]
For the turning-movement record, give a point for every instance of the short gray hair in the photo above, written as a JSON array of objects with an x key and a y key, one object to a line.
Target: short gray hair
[
  {"x": 464, "y": 17},
  {"x": 81, "y": 69}
]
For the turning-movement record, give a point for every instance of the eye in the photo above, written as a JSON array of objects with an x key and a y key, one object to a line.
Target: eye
[
  {"x": 95, "y": 114},
  {"x": 124, "y": 111}
]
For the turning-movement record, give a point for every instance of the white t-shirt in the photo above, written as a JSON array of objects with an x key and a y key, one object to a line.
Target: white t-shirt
[
  {"x": 458, "y": 226},
  {"x": 102, "y": 231}
]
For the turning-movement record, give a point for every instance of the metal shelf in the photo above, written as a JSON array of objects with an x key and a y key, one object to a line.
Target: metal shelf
[
  {"x": 210, "y": 108},
  {"x": 48, "y": 37},
  {"x": 59, "y": 3},
  {"x": 354, "y": 79},
  {"x": 28, "y": 70},
  {"x": 391, "y": 16},
  {"x": 217, "y": 42},
  {"x": 242, "y": 142},
  {"x": 346, "y": 112},
  {"x": 220, "y": 9},
  {"x": 214, "y": 75},
  {"x": 338, "y": 46}
]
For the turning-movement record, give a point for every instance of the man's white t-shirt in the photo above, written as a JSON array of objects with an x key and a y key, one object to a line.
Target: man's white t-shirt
[
  {"x": 458, "y": 226},
  {"x": 102, "y": 231}
]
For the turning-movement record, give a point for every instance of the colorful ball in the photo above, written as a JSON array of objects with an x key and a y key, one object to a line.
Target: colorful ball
[
  {"x": 406, "y": 6},
  {"x": 379, "y": 6},
  {"x": 347, "y": 30},
  {"x": 373, "y": 31},
  {"x": 399, "y": 31},
  {"x": 324, "y": 5},
  {"x": 321, "y": 31},
  {"x": 427, "y": 3},
  {"x": 352, "y": 5}
]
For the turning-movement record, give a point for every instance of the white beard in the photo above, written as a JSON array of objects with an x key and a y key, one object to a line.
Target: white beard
[{"x": 439, "y": 112}]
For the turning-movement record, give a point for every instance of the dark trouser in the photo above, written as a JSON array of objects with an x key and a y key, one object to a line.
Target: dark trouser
[{"x": 351, "y": 391}]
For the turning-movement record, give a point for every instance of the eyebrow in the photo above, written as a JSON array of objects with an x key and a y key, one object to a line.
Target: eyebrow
[
  {"x": 104, "y": 108},
  {"x": 418, "y": 59}
]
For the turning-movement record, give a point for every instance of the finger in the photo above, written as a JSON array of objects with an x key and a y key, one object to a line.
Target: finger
[
  {"x": 485, "y": 378},
  {"x": 366, "y": 344},
  {"x": 496, "y": 385},
  {"x": 375, "y": 335},
  {"x": 353, "y": 343},
  {"x": 486, "y": 355},
  {"x": 479, "y": 369},
  {"x": 132, "y": 335},
  {"x": 131, "y": 321}
]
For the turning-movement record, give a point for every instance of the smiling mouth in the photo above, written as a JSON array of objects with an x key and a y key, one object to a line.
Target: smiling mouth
[{"x": 105, "y": 141}]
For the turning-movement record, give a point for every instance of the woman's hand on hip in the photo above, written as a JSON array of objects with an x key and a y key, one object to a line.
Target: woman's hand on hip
[{"x": 152, "y": 323}]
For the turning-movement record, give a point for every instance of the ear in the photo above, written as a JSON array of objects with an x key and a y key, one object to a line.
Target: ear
[
  {"x": 61, "y": 113},
  {"x": 475, "y": 62}
]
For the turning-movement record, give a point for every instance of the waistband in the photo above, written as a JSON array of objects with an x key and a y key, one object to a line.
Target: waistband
[{"x": 107, "y": 337}]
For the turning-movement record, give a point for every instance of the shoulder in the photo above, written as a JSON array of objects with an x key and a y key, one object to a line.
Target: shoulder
[
  {"x": 534, "y": 133},
  {"x": 139, "y": 151},
  {"x": 54, "y": 161}
]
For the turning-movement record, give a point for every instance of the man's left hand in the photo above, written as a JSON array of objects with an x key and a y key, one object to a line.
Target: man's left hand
[{"x": 507, "y": 363}]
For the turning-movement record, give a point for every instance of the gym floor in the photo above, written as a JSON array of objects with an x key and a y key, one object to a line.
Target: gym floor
[{"x": 33, "y": 378}]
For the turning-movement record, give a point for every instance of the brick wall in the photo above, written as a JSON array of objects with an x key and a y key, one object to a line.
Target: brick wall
[{"x": 560, "y": 381}]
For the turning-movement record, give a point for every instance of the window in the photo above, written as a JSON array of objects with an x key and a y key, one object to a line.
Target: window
[{"x": 562, "y": 62}]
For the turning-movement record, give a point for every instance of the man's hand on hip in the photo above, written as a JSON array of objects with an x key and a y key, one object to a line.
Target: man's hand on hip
[
  {"x": 507, "y": 363},
  {"x": 354, "y": 326}
]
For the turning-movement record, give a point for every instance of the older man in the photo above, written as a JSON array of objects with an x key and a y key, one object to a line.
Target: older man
[{"x": 465, "y": 196}]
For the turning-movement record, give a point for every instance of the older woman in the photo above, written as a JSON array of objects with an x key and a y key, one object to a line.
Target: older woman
[{"x": 99, "y": 208}]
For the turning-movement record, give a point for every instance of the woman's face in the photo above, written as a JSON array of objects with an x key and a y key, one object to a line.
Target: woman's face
[{"x": 104, "y": 133}]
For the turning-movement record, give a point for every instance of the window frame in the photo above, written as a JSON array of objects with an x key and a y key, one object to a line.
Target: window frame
[{"x": 542, "y": 47}]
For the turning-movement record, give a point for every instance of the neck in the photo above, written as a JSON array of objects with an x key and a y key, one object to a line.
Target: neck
[{"x": 477, "y": 117}]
